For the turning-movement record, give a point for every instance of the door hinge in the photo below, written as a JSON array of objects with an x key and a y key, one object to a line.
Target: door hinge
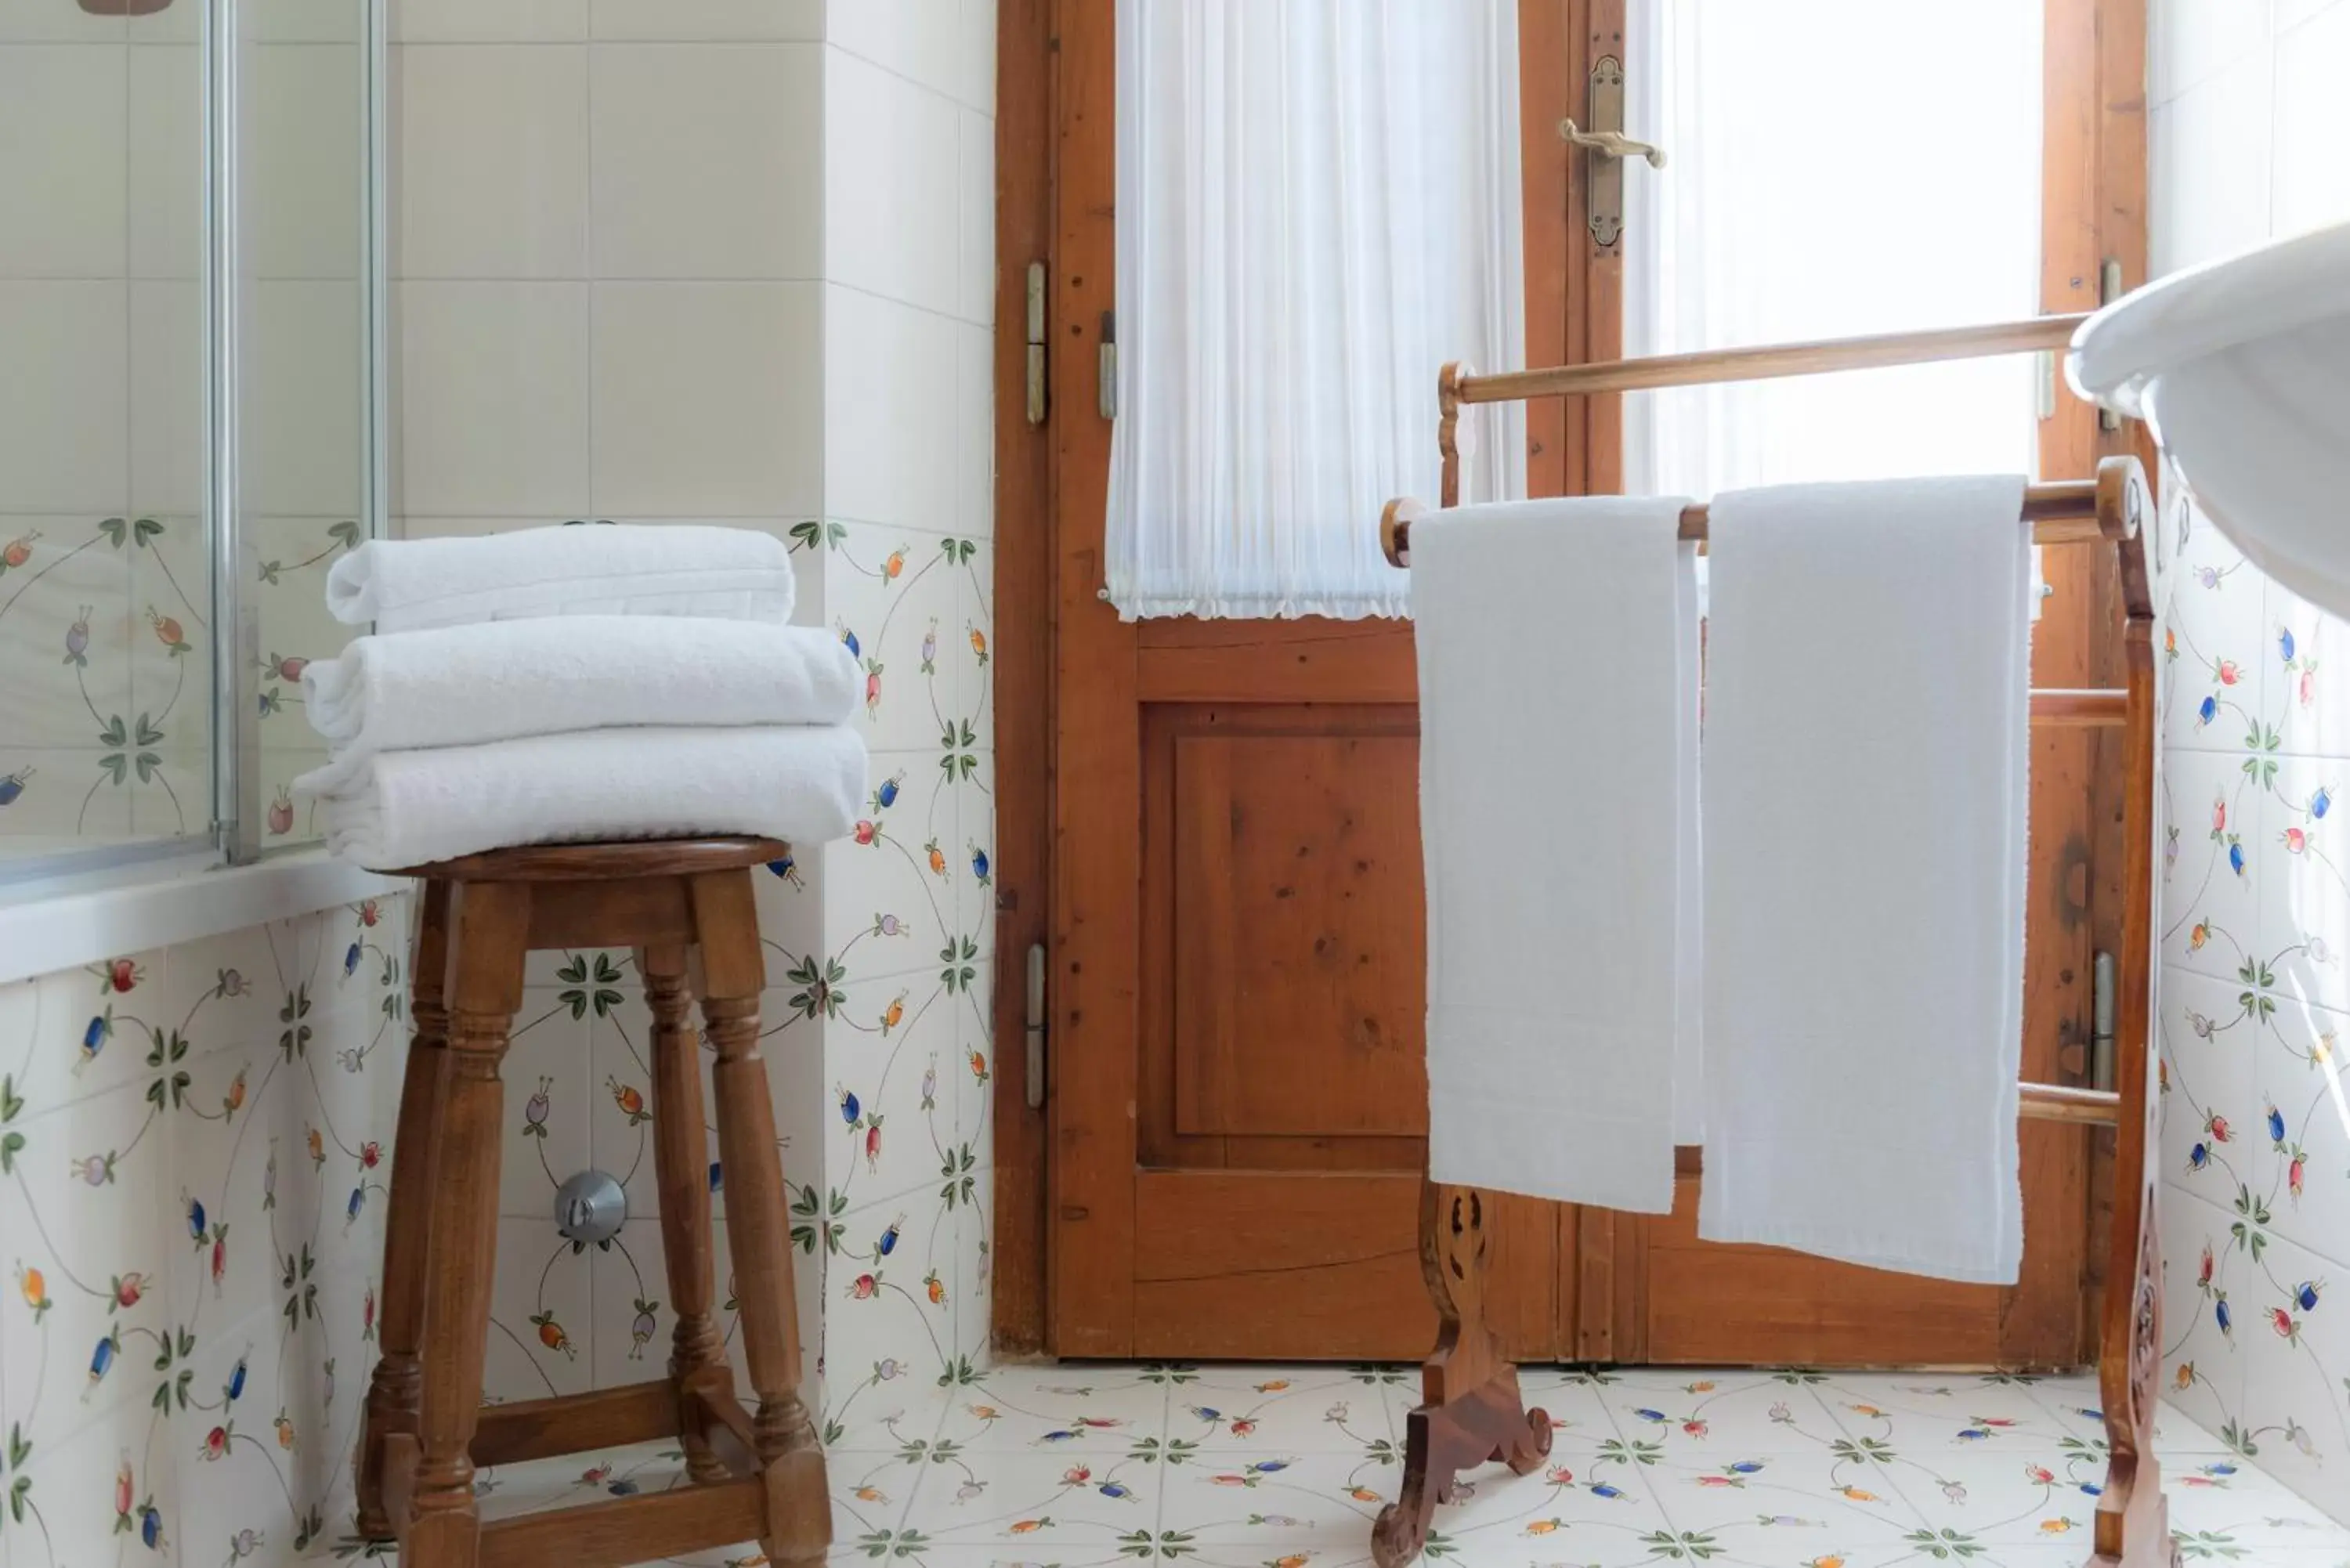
[
  {"x": 1106, "y": 373},
  {"x": 1035, "y": 343},
  {"x": 2043, "y": 383},
  {"x": 1035, "y": 1030},
  {"x": 2101, "y": 1022}
]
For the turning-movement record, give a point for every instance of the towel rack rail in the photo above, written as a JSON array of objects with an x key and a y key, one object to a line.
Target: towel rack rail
[
  {"x": 2062, "y": 512},
  {"x": 1472, "y": 1410}
]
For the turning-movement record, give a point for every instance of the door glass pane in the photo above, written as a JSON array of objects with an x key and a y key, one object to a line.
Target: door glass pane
[
  {"x": 105, "y": 587},
  {"x": 1836, "y": 167}
]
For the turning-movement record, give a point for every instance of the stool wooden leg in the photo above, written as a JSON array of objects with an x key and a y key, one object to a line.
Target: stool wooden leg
[
  {"x": 490, "y": 925},
  {"x": 395, "y": 1394},
  {"x": 697, "y": 1355},
  {"x": 799, "y": 1512}
]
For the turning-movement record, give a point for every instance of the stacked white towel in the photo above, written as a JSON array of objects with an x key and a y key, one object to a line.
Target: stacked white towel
[{"x": 567, "y": 685}]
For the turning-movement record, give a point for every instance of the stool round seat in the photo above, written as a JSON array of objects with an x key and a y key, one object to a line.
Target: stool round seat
[{"x": 606, "y": 862}]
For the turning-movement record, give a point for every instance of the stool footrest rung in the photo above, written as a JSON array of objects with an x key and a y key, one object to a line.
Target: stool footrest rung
[
  {"x": 574, "y": 1423},
  {"x": 626, "y": 1530},
  {"x": 725, "y": 1426}
]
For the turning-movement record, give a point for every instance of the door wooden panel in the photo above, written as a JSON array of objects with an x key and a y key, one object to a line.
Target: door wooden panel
[
  {"x": 1790, "y": 1309},
  {"x": 1296, "y": 883}
]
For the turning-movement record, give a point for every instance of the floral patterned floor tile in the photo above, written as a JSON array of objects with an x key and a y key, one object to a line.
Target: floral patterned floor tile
[
  {"x": 1078, "y": 1407},
  {"x": 1046, "y": 1506},
  {"x": 1822, "y": 1498},
  {"x": 1894, "y": 1490},
  {"x": 1261, "y": 1410},
  {"x": 1952, "y": 1411},
  {"x": 2005, "y": 1495},
  {"x": 1562, "y": 1513},
  {"x": 1691, "y": 1414}
]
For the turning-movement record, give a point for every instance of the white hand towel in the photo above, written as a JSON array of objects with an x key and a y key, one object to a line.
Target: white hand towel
[
  {"x": 396, "y": 809},
  {"x": 1552, "y": 677},
  {"x": 670, "y": 569},
  {"x": 498, "y": 681},
  {"x": 1866, "y": 715}
]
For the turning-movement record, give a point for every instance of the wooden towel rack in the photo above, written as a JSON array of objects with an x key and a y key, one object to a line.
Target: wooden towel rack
[{"x": 1471, "y": 1411}]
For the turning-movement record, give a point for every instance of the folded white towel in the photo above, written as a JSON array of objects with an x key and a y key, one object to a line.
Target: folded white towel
[
  {"x": 1557, "y": 652},
  {"x": 498, "y": 680},
  {"x": 395, "y": 809},
  {"x": 1866, "y": 717},
  {"x": 673, "y": 569}
]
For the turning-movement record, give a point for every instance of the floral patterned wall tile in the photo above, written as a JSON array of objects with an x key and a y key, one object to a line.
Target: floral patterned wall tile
[
  {"x": 2296, "y": 1410},
  {"x": 193, "y": 1284},
  {"x": 2305, "y": 898},
  {"x": 890, "y": 891},
  {"x": 2255, "y": 914},
  {"x": 2206, "y": 1028},
  {"x": 542, "y": 1314},
  {"x": 2213, "y": 865},
  {"x": 101, "y": 635},
  {"x": 2311, "y": 701},
  {"x": 2300, "y": 1146},
  {"x": 2215, "y": 626},
  {"x": 2205, "y": 1310}
]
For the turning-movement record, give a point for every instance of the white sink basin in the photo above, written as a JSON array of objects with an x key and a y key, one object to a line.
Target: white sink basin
[{"x": 2243, "y": 368}]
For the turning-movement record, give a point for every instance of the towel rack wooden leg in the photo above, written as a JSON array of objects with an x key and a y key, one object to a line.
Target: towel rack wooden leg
[
  {"x": 1471, "y": 1411},
  {"x": 2133, "y": 1526}
]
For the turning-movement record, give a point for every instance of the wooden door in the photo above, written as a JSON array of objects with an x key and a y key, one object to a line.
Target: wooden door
[{"x": 1222, "y": 855}]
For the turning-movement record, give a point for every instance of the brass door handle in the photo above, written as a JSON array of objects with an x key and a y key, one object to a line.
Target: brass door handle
[{"x": 1610, "y": 144}]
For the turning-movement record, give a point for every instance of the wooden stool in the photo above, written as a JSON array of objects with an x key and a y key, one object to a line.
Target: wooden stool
[{"x": 753, "y": 1477}]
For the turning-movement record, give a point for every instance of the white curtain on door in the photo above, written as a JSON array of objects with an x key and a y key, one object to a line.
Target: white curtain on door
[
  {"x": 1835, "y": 167},
  {"x": 1317, "y": 206}
]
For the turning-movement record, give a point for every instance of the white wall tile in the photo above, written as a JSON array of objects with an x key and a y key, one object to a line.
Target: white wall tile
[
  {"x": 493, "y": 144},
  {"x": 46, "y": 21},
  {"x": 975, "y": 142},
  {"x": 168, "y": 436},
  {"x": 303, "y": 21},
  {"x": 2189, "y": 41},
  {"x": 303, "y": 398},
  {"x": 488, "y": 21},
  {"x": 65, "y": 401},
  {"x": 890, "y": 420},
  {"x": 705, "y": 161},
  {"x": 2209, "y": 155},
  {"x": 947, "y": 45},
  {"x": 974, "y": 415},
  {"x": 2312, "y": 119},
  {"x": 688, "y": 21},
  {"x": 167, "y": 161},
  {"x": 65, "y": 203},
  {"x": 494, "y": 406},
  {"x": 304, "y": 195},
  {"x": 891, "y": 185},
  {"x": 708, "y": 399}
]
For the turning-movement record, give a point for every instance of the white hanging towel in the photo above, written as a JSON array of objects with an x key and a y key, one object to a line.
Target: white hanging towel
[
  {"x": 666, "y": 568},
  {"x": 798, "y": 782},
  {"x": 498, "y": 680},
  {"x": 1557, "y": 654},
  {"x": 1866, "y": 722}
]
